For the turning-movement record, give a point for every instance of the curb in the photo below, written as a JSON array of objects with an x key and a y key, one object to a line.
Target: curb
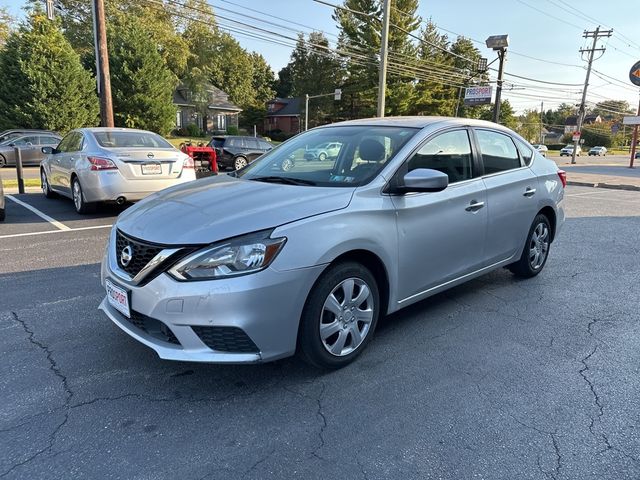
[{"x": 611, "y": 186}]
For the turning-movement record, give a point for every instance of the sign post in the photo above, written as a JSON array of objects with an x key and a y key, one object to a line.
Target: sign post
[{"x": 634, "y": 77}]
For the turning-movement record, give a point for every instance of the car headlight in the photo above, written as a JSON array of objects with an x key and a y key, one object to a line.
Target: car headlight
[{"x": 238, "y": 256}]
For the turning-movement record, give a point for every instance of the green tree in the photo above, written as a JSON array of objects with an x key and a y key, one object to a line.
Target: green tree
[
  {"x": 44, "y": 84},
  {"x": 612, "y": 109},
  {"x": 465, "y": 58},
  {"x": 529, "y": 125},
  {"x": 142, "y": 84},
  {"x": 507, "y": 114},
  {"x": 284, "y": 84},
  {"x": 262, "y": 80},
  {"x": 6, "y": 23},
  {"x": 558, "y": 116}
]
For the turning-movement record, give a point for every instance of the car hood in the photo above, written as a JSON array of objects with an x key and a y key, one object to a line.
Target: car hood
[{"x": 216, "y": 208}]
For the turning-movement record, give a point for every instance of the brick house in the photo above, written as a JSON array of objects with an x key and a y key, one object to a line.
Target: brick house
[
  {"x": 216, "y": 114},
  {"x": 284, "y": 114}
]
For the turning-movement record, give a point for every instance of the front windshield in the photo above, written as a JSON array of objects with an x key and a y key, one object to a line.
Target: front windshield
[{"x": 357, "y": 155}]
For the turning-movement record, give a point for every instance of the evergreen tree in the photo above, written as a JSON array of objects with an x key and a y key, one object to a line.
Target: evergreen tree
[
  {"x": 6, "y": 22},
  {"x": 284, "y": 84},
  {"x": 142, "y": 85},
  {"x": 44, "y": 84}
]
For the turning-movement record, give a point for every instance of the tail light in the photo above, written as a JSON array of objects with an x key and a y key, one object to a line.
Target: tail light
[
  {"x": 98, "y": 163},
  {"x": 563, "y": 177},
  {"x": 188, "y": 163}
]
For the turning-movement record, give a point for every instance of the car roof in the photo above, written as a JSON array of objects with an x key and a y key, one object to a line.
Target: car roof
[
  {"x": 112, "y": 129},
  {"x": 419, "y": 122}
]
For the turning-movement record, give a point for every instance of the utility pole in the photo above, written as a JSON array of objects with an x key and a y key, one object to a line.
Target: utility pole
[
  {"x": 541, "y": 122},
  {"x": 102, "y": 63},
  {"x": 384, "y": 40},
  {"x": 595, "y": 34},
  {"x": 502, "y": 53},
  {"x": 634, "y": 140}
]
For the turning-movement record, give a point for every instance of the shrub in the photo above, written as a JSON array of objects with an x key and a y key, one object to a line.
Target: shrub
[
  {"x": 232, "y": 130},
  {"x": 193, "y": 130}
]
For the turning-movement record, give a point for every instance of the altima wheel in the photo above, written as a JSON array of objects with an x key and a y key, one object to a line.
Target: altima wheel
[
  {"x": 536, "y": 250},
  {"x": 46, "y": 188},
  {"x": 3, "y": 161},
  {"x": 340, "y": 316},
  {"x": 239, "y": 162},
  {"x": 78, "y": 198},
  {"x": 322, "y": 157},
  {"x": 287, "y": 164}
]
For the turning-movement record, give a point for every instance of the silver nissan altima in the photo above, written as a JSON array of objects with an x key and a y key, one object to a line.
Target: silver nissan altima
[
  {"x": 118, "y": 165},
  {"x": 289, "y": 255}
]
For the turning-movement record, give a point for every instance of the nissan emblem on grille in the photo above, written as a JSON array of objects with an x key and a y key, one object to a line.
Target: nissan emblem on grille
[{"x": 126, "y": 255}]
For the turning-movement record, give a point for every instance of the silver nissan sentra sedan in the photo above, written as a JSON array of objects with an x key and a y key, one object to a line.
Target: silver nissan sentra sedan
[
  {"x": 119, "y": 165},
  {"x": 268, "y": 261}
]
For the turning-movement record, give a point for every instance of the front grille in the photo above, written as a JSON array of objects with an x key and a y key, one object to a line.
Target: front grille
[
  {"x": 152, "y": 326},
  {"x": 141, "y": 253},
  {"x": 226, "y": 339}
]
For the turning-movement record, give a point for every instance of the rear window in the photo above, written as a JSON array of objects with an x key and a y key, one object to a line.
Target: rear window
[
  {"x": 130, "y": 139},
  {"x": 217, "y": 142}
]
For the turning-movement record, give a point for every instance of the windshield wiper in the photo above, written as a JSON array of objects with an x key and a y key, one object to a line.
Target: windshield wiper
[{"x": 284, "y": 180}]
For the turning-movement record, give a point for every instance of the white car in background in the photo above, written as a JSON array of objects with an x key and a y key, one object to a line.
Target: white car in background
[
  {"x": 568, "y": 151},
  {"x": 542, "y": 149},
  {"x": 120, "y": 165}
]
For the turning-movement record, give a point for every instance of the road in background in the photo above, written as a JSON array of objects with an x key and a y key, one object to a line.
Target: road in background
[{"x": 498, "y": 378}]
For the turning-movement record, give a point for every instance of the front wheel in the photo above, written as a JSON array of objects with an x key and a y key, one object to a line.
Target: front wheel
[
  {"x": 322, "y": 157},
  {"x": 340, "y": 316},
  {"x": 46, "y": 188},
  {"x": 78, "y": 198},
  {"x": 536, "y": 249},
  {"x": 3, "y": 162}
]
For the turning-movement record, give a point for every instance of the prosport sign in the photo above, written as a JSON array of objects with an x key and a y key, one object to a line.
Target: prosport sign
[{"x": 477, "y": 95}]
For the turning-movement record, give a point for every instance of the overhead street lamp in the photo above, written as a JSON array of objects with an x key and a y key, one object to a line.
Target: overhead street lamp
[{"x": 498, "y": 43}]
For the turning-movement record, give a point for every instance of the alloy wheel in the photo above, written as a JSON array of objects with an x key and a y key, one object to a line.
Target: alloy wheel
[
  {"x": 346, "y": 317},
  {"x": 240, "y": 162},
  {"x": 44, "y": 183},
  {"x": 539, "y": 246},
  {"x": 77, "y": 195}
]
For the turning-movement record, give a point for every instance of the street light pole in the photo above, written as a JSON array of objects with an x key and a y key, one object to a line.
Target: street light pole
[
  {"x": 384, "y": 40},
  {"x": 502, "y": 53},
  {"x": 306, "y": 112}
]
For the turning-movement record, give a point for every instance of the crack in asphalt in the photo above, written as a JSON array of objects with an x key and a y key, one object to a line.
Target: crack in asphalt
[
  {"x": 259, "y": 461},
  {"x": 319, "y": 413},
  {"x": 55, "y": 369}
]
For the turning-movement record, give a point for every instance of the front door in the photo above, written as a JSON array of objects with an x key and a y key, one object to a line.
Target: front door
[{"x": 441, "y": 235}]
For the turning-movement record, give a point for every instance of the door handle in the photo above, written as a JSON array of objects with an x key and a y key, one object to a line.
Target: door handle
[
  {"x": 529, "y": 192},
  {"x": 474, "y": 206}
]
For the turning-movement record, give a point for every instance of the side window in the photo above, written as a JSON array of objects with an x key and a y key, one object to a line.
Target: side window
[
  {"x": 449, "y": 153},
  {"x": 65, "y": 143},
  {"x": 234, "y": 142},
  {"x": 251, "y": 143},
  {"x": 75, "y": 144},
  {"x": 48, "y": 141},
  {"x": 265, "y": 145},
  {"x": 525, "y": 152},
  {"x": 498, "y": 152}
]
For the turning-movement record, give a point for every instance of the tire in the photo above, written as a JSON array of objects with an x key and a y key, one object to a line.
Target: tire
[
  {"x": 322, "y": 157},
  {"x": 3, "y": 162},
  {"x": 239, "y": 162},
  {"x": 333, "y": 328},
  {"x": 526, "y": 266},
  {"x": 44, "y": 184},
  {"x": 79, "y": 202},
  {"x": 287, "y": 164}
]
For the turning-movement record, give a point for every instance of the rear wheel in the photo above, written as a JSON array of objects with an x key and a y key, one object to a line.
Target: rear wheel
[
  {"x": 536, "y": 249},
  {"x": 3, "y": 161},
  {"x": 322, "y": 157},
  {"x": 340, "y": 316},
  {"x": 239, "y": 162},
  {"x": 78, "y": 198}
]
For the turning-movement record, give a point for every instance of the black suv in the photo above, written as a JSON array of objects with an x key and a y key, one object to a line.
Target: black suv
[{"x": 236, "y": 151}]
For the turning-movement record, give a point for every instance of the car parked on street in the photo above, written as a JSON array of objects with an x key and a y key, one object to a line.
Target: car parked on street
[
  {"x": 322, "y": 152},
  {"x": 542, "y": 149},
  {"x": 599, "y": 151},
  {"x": 92, "y": 165},
  {"x": 30, "y": 147},
  {"x": 21, "y": 132},
  {"x": 308, "y": 258},
  {"x": 568, "y": 151},
  {"x": 236, "y": 152}
]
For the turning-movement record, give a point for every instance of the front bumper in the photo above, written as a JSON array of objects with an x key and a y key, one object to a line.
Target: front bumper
[
  {"x": 265, "y": 305},
  {"x": 109, "y": 185}
]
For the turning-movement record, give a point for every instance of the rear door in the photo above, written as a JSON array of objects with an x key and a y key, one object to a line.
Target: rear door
[
  {"x": 511, "y": 194},
  {"x": 253, "y": 149},
  {"x": 67, "y": 163}
]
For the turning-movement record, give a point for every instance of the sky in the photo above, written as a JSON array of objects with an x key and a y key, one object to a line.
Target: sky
[{"x": 549, "y": 30}]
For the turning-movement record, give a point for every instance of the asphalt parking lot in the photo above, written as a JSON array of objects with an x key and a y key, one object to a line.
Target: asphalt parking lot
[{"x": 495, "y": 379}]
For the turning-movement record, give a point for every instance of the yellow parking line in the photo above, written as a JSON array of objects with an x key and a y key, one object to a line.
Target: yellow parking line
[{"x": 42, "y": 215}]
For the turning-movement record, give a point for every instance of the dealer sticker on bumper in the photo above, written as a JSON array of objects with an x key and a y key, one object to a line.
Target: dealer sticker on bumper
[{"x": 118, "y": 298}]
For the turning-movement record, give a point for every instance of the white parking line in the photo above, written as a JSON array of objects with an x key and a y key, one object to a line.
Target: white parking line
[
  {"x": 79, "y": 229},
  {"x": 42, "y": 215}
]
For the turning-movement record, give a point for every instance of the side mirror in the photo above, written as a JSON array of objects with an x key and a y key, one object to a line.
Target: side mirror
[
  {"x": 424, "y": 180},
  {"x": 28, "y": 144},
  {"x": 12, "y": 144},
  {"x": 48, "y": 150}
]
